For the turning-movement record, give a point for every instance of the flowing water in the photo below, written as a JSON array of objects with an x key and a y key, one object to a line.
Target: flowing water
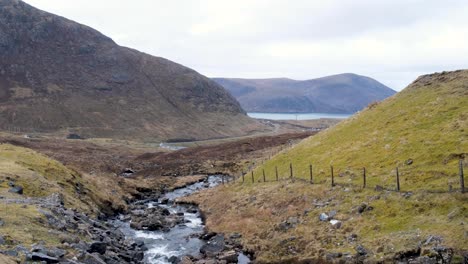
[{"x": 182, "y": 239}]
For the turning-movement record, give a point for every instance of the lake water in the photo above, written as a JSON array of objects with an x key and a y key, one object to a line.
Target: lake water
[{"x": 297, "y": 116}]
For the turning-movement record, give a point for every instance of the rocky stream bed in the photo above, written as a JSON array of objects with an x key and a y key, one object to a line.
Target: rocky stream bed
[{"x": 155, "y": 229}]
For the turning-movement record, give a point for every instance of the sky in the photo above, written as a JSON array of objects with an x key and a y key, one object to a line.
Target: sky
[{"x": 392, "y": 41}]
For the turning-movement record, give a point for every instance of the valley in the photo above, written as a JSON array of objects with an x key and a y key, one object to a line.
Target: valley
[{"x": 111, "y": 155}]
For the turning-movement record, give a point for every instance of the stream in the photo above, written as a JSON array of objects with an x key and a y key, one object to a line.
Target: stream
[{"x": 182, "y": 239}]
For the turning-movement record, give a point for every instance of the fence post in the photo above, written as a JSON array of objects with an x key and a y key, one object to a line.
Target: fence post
[
  {"x": 252, "y": 177},
  {"x": 243, "y": 177},
  {"x": 264, "y": 175},
  {"x": 310, "y": 170},
  {"x": 291, "y": 171},
  {"x": 398, "y": 179},
  {"x": 333, "y": 179},
  {"x": 276, "y": 170},
  {"x": 364, "y": 177},
  {"x": 462, "y": 180}
]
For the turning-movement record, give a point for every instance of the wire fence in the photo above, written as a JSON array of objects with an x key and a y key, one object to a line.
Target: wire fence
[{"x": 358, "y": 177}]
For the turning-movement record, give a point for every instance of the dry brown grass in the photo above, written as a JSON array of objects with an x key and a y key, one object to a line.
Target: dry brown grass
[{"x": 396, "y": 223}]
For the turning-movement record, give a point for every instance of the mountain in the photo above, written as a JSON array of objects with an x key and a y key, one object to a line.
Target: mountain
[
  {"x": 342, "y": 93},
  {"x": 422, "y": 130},
  {"x": 60, "y": 76}
]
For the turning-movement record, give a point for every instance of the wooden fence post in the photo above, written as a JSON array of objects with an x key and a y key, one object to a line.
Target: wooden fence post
[
  {"x": 462, "y": 180},
  {"x": 333, "y": 179},
  {"x": 243, "y": 177},
  {"x": 398, "y": 179},
  {"x": 364, "y": 177},
  {"x": 291, "y": 171},
  {"x": 276, "y": 170},
  {"x": 264, "y": 180},
  {"x": 310, "y": 170},
  {"x": 252, "y": 177}
]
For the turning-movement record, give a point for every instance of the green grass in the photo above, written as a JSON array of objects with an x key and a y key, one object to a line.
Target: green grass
[{"x": 425, "y": 123}]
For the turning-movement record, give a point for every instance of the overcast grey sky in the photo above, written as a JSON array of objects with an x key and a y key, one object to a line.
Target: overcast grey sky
[{"x": 393, "y": 41}]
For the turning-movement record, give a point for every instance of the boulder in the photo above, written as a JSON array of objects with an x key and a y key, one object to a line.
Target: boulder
[
  {"x": 362, "y": 208},
  {"x": 229, "y": 256},
  {"x": 361, "y": 250},
  {"x": 323, "y": 217},
  {"x": 336, "y": 223},
  {"x": 36, "y": 256},
  {"x": 331, "y": 214},
  {"x": 16, "y": 189},
  {"x": 174, "y": 259},
  {"x": 186, "y": 260},
  {"x": 91, "y": 259},
  {"x": 214, "y": 246},
  {"x": 97, "y": 246}
]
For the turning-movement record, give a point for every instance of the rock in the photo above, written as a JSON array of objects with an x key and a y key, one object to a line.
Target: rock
[
  {"x": 444, "y": 254},
  {"x": 91, "y": 259},
  {"x": 229, "y": 256},
  {"x": 323, "y": 217},
  {"x": 336, "y": 223},
  {"x": 192, "y": 210},
  {"x": 35, "y": 256},
  {"x": 407, "y": 194},
  {"x": 208, "y": 236},
  {"x": 139, "y": 255},
  {"x": 362, "y": 208},
  {"x": 352, "y": 238},
  {"x": 331, "y": 214},
  {"x": 409, "y": 162},
  {"x": 56, "y": 252},
  {"x": 174, "y": 259},
  {"x": 16, "y": 189},
  {"x": 361, "y": 250},
  {"x": 99, "y": 247},
  {"x": 214, "y": 246},
  {"x": 293, "y": 220},
  {"x": 11, "y": 184},
  {"x": 433, "y": 239},
  {"x": 186, "y": 260},
  {"x": 73, "y": 136},
  {"x": 164, "y": 200}
]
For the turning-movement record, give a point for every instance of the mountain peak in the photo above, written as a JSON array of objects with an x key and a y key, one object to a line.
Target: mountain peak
[
  {"x": 340, "y": 93},
  {"x": 56, "y": 75}
]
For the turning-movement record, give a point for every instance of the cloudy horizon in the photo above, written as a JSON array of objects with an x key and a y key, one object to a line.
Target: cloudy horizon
[{"x": 393, "y": 41}]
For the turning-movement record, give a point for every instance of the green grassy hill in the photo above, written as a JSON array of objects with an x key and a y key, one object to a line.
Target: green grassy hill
[{"x": 425, "y": 123}]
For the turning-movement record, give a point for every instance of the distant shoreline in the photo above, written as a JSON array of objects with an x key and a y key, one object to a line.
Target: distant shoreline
[{"x": 296, "y": 116}]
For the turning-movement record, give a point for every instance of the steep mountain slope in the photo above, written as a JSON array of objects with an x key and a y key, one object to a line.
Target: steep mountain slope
[
  {"x": 426, "y": 122},
  {"x": 342, "y": 93},
  {"x": 422, "y": 130},
  {"x": 56, "y": 74}
]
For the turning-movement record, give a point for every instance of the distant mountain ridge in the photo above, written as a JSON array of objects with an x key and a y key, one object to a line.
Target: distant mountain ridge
[
  {"x": 58, "y": 75},
  {"x": 342, "y": 93}
]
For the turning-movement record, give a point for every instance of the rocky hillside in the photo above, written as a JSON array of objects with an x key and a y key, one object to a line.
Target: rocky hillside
[
  {"x": 58, "y": 75},
  {"x": 342, "y": 93},
  {"x": 421, "y": 130}
]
